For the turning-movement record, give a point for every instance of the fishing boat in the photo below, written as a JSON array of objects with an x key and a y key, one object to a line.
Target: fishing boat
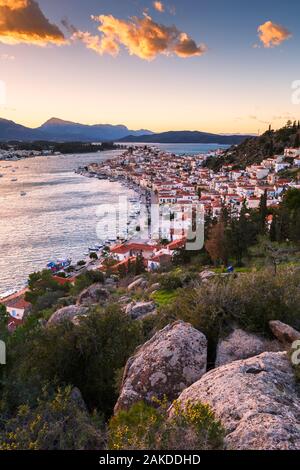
[
  {"x": 93, "y": 250},
  {"x": 59, "y": 265}
]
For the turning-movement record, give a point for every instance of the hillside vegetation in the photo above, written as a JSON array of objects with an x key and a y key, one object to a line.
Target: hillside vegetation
[{"x": 255, "y": 149}]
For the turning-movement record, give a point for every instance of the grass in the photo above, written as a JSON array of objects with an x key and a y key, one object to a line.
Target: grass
[{"x": 164, "y": 297}]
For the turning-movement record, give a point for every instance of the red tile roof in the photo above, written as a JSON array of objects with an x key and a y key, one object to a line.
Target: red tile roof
[
  {"x": 19, "y": 303},
  {"x": 64, "y": 280}
]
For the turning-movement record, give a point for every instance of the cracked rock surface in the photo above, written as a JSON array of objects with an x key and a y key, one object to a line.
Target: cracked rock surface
[
  {"x": 257, "y": 401},
  {"x": 170, "y": 361}
]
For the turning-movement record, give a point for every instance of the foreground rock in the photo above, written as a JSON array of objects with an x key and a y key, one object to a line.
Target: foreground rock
[
  {"x": 284, "y": 333},
  {"x": 67, "y": 314},
  {"x": 256, "y": 399},
  {"x": 95, "y": 294},
  {"x": 172, "y": 360},
  {"x": 140, "y": 309},
  {"x": 242, "y": 345}
]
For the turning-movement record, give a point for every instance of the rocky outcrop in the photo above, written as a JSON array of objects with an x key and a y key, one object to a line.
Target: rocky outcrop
[
  {"x": 284, "y": 333},
  {"x": 257, "y": 401},
  {"x": 154, "y": 288},
  {"x": 172, "y": 360},
  {"x": 66, "y": 314},
  {"x": 140, "y": 309},
  {"x": 206, "y": 275},
  {"x": 242, "y": 345},
  {"x": 140, "y": 282},
  {"x": 95, "y": 294}
]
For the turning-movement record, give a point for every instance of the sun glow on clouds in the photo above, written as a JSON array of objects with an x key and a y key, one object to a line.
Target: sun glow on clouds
[
  {"x": 272, "y": 34},
  {"x": 159, "y": 6},
  {"x": 22, "y": 21},
  {"x": 142, "y": 37}
]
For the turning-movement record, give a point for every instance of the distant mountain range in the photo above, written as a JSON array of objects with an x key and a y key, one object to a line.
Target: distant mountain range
[
  {"x": 186, "y": 137},
  {"x": 65, "y": 131}
]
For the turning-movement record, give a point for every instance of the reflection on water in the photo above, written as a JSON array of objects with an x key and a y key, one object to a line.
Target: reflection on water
[{"x": 57, "y": 217}]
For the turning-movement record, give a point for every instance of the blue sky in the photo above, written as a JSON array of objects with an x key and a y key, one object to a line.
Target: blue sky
[{"x": 232, "y": 87}]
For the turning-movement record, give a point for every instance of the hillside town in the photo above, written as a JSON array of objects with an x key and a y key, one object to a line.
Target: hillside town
[{"x": 178, "y": 186}]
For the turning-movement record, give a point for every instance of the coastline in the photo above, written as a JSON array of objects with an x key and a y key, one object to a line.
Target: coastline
[{"x": 76, "y": 198}]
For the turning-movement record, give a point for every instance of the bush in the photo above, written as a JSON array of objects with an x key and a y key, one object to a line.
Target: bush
[
  {"x": 87, "y": 356},
  {"x": 59, "y": 422},
  {"x": 86, "y": 280},
  {"x": 193, "y": 427},
  {"x": 248, "y": 301},
  {"x": 171, "y": 281}
]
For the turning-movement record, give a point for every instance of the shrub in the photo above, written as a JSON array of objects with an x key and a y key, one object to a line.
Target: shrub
[
  {"x": 59, "y": 422},
  {"x": 192, "y": 427},
  {"x": 86, "y": 280},
  {"x": 171, "y": 281},
  {"x": 86, "y": 356},
  {"x": 248, "y": 301}
]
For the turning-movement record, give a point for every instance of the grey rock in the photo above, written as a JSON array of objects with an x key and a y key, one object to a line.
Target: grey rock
[
  {"x": 205, "y": 275},
  {"x": 135, "y": 284},
  {"x": 257, "y": 401},
  {"x": 174, "y": 358},
  {"x": 94, "y": 294},
  {"x": 140, "y": 309},
  {"x": 154, "y": 288},
  {"x": 242, "y": 345},
  {"x": 66, "y": 314},
  {"x": 284, "y": 333}
]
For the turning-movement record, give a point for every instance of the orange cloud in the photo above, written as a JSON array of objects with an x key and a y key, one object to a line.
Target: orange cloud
[
  {"x": 96, "y": 44},
  {"x": 141, "y": 36},
  {"x": 14, "y": 4},
  {"x": 159, "y": 6},
  {"x": 22, "y": 21},
  {"x": 272, "y": 34}
]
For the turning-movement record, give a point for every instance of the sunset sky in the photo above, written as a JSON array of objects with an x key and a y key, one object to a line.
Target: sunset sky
[{"x": 211, "y": 65}]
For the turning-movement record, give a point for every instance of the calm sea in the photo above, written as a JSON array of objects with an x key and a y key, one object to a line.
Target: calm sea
[
  {"x": 58, "y": 216},
  {"x": 181, "y": 149}
]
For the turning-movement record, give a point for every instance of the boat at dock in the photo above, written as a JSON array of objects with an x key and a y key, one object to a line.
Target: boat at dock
[{"x": 59, "y": 265}]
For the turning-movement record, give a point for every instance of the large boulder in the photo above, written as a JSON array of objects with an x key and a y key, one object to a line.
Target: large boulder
[
  {"x": 284, "y": 333},
  {"x": 257, "y": 401},
  {"x": 66, "y": 314},
  {"x": 173, "y": 359},
  {"x": 94, "y": 294},
  {"x": 242, "y": 345},
  {"x": 140, "y": 309}
]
